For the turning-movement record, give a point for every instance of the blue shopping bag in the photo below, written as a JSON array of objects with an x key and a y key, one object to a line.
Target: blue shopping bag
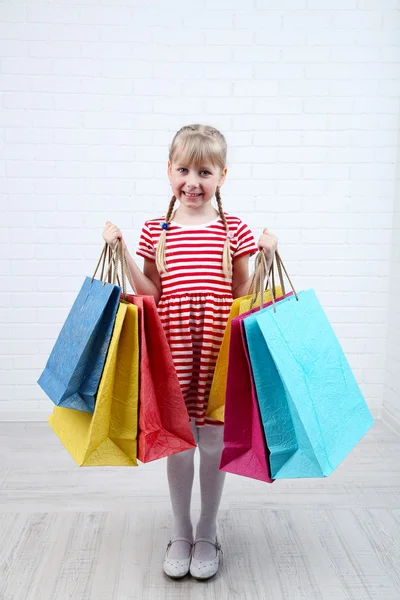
[
  {"x": 72, "y": 373},
  {"x": 312, "y": 409}
]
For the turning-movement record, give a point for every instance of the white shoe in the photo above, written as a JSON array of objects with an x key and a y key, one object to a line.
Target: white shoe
[
  {"x": 201, "y": 569},
  {"x": 176, "y": 568}
]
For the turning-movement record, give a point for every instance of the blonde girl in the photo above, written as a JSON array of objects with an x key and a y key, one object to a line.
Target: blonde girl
[{"x": 196, "y": 260}]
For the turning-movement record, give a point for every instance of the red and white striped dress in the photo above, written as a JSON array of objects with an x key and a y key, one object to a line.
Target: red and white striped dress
[{"x": 196, "y": 299}]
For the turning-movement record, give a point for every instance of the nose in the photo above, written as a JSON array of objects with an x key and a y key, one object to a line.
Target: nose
[{"x": 192, "y": 181}]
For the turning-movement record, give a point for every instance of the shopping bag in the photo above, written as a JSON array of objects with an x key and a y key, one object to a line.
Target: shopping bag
[
  {"x": 245, "y": 449},
  {"x": 164, "y": 425},
  {"x": 312, "y": 409},
  {"x": 216, "y": 401},
  {"x": 72, "y": 373},
  {"x": 108, "y": 437}
]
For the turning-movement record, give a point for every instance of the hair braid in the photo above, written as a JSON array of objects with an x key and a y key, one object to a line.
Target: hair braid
[
  {"x": 160, "y": 254},
  {"x": 226, "y": 255}
]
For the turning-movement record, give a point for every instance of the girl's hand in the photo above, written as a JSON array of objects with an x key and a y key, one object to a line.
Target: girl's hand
[
  {"x": 111, "y": 234},
  {"x": 269, "y": 243}
]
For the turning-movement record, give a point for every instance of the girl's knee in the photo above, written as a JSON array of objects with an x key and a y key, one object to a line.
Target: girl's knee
[{"x": 211, "y": 439}]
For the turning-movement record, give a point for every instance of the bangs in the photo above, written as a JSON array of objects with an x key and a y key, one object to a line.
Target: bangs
[{"x": 199, "y": 151}]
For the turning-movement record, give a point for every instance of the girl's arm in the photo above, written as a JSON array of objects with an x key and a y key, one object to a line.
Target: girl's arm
[
  {"x": 240, "y": 279},
  {"x": 147, "y": 283}
]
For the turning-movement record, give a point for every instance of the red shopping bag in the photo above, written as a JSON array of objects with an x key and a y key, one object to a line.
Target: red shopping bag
[
  {"x": 164, "y": 425},
  {"x": 245, "y": 449}
]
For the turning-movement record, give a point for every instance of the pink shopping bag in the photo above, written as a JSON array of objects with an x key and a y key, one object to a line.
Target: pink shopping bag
[{"x": 245, "y": 447}]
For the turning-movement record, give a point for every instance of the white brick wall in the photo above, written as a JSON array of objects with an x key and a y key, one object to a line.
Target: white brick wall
[{"x": 91, "y": 95}]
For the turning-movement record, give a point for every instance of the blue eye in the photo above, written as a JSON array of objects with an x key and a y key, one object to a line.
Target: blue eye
[
  {"x": 181, "y": 169},
  {"x": 207, "y": 172}
]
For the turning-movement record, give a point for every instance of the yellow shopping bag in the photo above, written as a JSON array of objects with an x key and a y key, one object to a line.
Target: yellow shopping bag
[
  {"x": 108, "y": 437},
  {"x": 216, "y": 400}
]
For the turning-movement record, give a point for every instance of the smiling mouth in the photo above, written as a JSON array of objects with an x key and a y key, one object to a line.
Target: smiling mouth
[{"x": 190, "y": 195}]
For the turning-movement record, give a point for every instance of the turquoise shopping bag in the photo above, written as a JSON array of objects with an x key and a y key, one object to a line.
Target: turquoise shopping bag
[{"x": 312, "y": 409}]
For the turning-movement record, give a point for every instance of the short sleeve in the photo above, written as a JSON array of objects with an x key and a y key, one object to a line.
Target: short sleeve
[
  {"x": 146, "y": 245},
  {"x": 245, "y": 241}
]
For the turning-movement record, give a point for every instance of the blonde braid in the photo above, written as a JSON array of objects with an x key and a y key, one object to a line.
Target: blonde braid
[
  {"x": 226, "y": 255},
  {"x": 160, "y": 254}
]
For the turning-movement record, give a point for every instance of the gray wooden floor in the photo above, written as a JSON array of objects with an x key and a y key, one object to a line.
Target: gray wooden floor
[{"x": 87, "y": 533}]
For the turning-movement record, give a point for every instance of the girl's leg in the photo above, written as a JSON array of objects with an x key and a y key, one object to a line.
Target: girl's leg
[
  {"x": 211, "y": 484},
  {"x": 180, "y": 472}
]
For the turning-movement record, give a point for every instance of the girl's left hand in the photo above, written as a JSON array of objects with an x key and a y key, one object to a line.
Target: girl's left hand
[{"x": 269, "y": 243}]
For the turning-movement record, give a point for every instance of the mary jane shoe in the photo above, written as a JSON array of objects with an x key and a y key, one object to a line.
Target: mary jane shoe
[
  {"x": 205, "y": 569},
  {"x": 176, "y": 568}
]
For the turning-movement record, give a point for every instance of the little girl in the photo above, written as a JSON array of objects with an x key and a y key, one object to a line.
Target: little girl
[{"x": 195, "y": 262}]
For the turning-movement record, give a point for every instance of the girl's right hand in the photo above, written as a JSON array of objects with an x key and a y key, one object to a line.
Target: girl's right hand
[{"x": 111, "y": 234}]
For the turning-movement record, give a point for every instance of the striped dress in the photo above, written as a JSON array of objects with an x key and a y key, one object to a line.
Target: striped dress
[{"x": 196, "y": 299}]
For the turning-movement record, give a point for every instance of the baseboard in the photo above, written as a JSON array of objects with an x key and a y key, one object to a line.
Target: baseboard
[{"x": 390, "y": 420}]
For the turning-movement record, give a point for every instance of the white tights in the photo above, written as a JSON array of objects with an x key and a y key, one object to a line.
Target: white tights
[{"x": 180, "y": 471}]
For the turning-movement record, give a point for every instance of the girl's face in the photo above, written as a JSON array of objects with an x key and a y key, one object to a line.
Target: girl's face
[{"x": 195, "y": 185}]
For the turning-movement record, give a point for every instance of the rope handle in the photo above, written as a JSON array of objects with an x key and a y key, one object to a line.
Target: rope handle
[
  {"x": 105, "y": 274},
  {"x": 259, "y": 275},
  {"x": 261, "y": 263},
  {"x": 121, "y": 262},
  {"x": 111, "y": 261}
]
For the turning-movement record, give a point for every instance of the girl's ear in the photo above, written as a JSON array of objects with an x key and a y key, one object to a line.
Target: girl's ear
[
  {"x": 223, "y": 176},
  {"x": 169, "y": 170}
]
